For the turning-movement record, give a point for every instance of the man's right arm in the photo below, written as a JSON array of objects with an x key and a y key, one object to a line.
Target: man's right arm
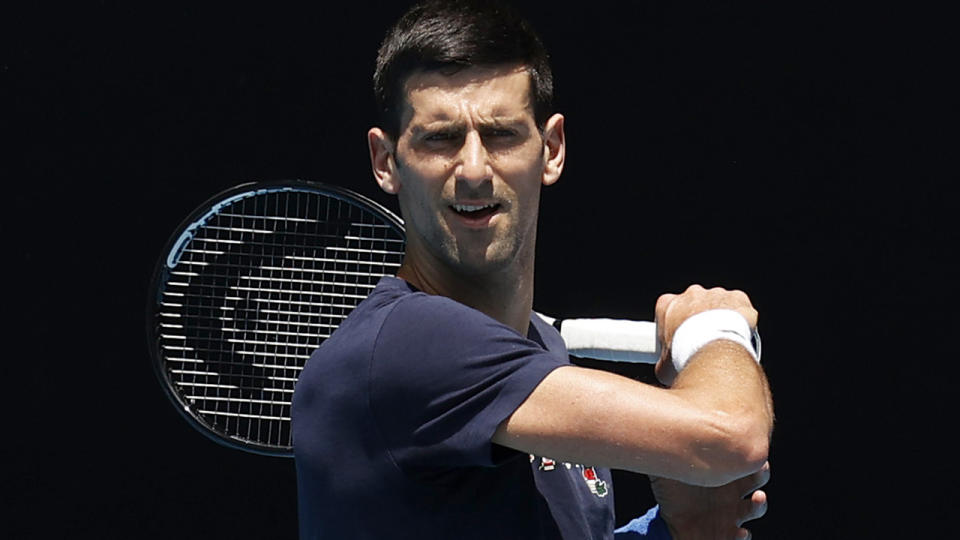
[{"x": 711, "y": 427}]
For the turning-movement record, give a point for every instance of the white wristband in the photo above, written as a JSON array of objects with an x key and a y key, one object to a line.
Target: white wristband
[{"x": 707, "y": 326}]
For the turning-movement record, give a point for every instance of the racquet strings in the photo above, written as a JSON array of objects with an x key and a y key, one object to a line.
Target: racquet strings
[{"x": 261, "y": 283}]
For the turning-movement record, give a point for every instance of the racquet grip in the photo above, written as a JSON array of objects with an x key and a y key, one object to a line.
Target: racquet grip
[{"x": 615, "y": 340}]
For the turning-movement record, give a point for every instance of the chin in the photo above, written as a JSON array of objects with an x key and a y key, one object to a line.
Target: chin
[{"x": 492, "y": 259}]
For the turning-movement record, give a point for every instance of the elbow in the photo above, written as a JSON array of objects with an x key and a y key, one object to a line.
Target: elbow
[
  {"x": 734, "y": 448},
  {"x": 750, "y": 453}
]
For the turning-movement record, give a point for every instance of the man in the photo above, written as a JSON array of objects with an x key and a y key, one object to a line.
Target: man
[{"x": 441, "y": 407}]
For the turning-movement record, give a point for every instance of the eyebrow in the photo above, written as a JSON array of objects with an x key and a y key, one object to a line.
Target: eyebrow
[{"x": 459, "y": 125}]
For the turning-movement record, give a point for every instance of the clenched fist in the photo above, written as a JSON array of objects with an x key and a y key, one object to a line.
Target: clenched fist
[{"x": 672, "y": 309}]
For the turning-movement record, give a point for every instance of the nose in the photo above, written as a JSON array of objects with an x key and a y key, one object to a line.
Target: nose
[{"x": 474, "y": 167}]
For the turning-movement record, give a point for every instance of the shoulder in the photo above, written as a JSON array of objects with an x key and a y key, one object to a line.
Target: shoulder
[
  {"x": 430, "y": 323},
  {"x": 420, "y": 308},
  {"x": 424, "y": 332}
]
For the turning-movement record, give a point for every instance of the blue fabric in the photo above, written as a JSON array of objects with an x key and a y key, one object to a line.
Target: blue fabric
[
  {"x": 393, "y": 418},
  {"x": 649, "y": 526}
]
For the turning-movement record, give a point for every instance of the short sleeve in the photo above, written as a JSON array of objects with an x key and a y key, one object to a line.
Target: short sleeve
[{"x": 444, "y": 376}]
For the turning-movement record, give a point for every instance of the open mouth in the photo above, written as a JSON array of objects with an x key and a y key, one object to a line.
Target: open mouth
[{"x": 474, "y": 211}]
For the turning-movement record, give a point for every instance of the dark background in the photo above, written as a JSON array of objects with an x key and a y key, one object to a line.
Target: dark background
[{"x": 792, "y": 151}]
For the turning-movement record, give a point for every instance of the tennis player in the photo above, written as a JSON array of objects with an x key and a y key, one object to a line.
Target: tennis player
[{"x": 442, "y": 408}]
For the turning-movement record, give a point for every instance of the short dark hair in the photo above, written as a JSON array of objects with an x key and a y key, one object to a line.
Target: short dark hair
[{"x": 453, "y": 35}]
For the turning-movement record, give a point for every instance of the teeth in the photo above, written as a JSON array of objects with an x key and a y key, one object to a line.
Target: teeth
[{"x": 471, "y": 207}]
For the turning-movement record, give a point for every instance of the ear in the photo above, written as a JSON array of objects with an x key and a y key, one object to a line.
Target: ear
[
  {"x": 554, "y": 149},
  {"x": 382, "y": 160}
]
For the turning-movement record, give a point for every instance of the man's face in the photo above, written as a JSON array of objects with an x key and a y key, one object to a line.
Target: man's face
[{"x": 468, "y": 165}]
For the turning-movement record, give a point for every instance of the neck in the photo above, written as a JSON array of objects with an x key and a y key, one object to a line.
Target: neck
[{"x": 505, "y": 295}]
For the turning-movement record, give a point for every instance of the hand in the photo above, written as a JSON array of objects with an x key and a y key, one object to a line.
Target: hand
[
  {"x": 695, "y": 513},
  {"x": 672, "y": 309}
]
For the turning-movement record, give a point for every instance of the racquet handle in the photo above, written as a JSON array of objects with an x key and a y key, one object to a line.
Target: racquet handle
[{"x": 615, "y": 340}]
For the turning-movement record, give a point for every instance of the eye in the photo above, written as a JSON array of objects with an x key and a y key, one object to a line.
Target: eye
[
  {"x": 499, "y": 132},
  {"x": 440, "y": 136},
  {"x": 499, "y": 139}
]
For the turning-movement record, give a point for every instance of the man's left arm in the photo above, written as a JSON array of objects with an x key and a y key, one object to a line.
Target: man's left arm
[{"x": 688, "y": 512}]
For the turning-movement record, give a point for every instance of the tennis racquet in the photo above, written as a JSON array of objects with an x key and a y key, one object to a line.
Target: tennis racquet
[{"x": 256, "y": 278}]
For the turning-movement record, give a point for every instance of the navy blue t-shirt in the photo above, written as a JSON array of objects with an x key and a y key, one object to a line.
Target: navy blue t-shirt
[{"x": 393, "y": 418}]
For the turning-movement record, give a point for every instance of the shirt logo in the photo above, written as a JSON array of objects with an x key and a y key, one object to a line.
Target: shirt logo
[
  {"x": 597, "y": 486},
  {"x": 589, "y": 474}
]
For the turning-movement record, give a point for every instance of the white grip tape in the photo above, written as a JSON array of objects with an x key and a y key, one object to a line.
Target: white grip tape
[
  {"x": 707, "y": 326},
  {"x": 615, "y": 340}
]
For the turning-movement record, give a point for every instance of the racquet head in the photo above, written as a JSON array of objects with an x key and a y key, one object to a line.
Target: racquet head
[{"x": 248, "y": 287}]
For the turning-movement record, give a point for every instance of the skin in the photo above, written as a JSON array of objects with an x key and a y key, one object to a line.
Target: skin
[
  {"x": 470, "y": 139},
  {"x": 702, "y": 513}
]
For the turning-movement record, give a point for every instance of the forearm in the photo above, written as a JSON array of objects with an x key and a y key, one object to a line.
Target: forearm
[
  {"x": 724, "y": 381},
  {"x": 588, "y": 416},
  {"x": 725, "y": 377},
  {"x": 711, "y": 427}
]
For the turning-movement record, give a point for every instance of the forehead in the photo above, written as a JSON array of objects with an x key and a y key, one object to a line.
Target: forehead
[{"x": 502, "y": 91}]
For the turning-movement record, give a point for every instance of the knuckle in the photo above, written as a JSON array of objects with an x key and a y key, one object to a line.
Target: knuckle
[{"x": 662, "y": 302}]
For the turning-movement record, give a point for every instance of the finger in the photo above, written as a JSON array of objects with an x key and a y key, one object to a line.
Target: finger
[
  {"x": 750, "y": 314},
  {"x": 753, "y": 507},
  {"x": 759, "y": 500},
  {"x": 660, "y": 310},
  {"x": 743, "y": 305},
  {"x": 660, "y": 314},
  {"x": 743, "y": 534},
  {"x": 741, "y": 296}
]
